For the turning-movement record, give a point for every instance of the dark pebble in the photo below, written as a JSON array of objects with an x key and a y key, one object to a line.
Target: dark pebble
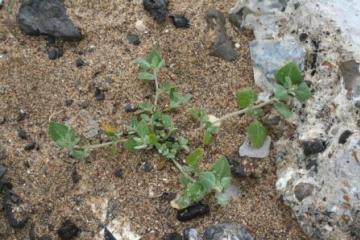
[
  {"x": 168, "y": 196},
  {"x": 133, "y": 39},
  {"x": 194, "y": 211},
  {"x": 68, "y": 230},
  {"x": 237, "y": 170},
  {"x": 147, "y": 167},
  {"x": 10, "y": 201},
  {"x": 129, "y": 108},
  {"x": 3, "y": 170},
  {"x": 108, "y": 235},
  {"x": 180, "y": 21},
  {"x": 55, "y": 53},
  {"x": 22, "y": 133},
  {"x": 21, "y": 116},
  {"x": 119, "y": 173},
  {"x": 30, "y": 146},
  {"x": 79, "y": 63},
  {"x": 51, "y": 40},
  {"x": 303, "y": 37},
  {"x": 75, "y": 176},
  {"x": 157, "y": 9},
  {"x": 314, "y": 147},
  {"x": 303, "y": 190},
  {"x": 344, "y": 136},
  {"x": 2, "y": 120},
  {"x": 99, "y": 95},
  {"x": 172, "y": 236},
  {"x": 308, "y": 83},
  {"x": 68, "y": 102}
]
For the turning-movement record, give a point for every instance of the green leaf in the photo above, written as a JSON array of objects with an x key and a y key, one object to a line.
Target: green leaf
[
  {"x": 288, "y": 84},
  {"x": 225, "y": 182},
  {"x": 221, "y": 168},
  {"x": 280, "y": 92},
  {"x": 302, "y": 92},
  {"x": 194, "y": 157},
  {"x": 207, "y": 180},
  {"x": 154, "y": 58},
  {"x": 63, "y": 135},
  {"x": 144, "y": 65},
  {"x": 246, "y": 97},
  {"x": 147, "y": 107},
  {"x": 282, "y": 109},
  {"x": 176, "y": 99},
  {"x": 130, "y": 144},
  {"x": 222, "y": 199},
  {"x": 290, "y": 70},
  {"x": 208, "y": 137},
  {"x": 184, "y": 179},
  {"x": 257, "y": 134},
  {"x": 199, "y": 114},
  {"x": 146, "y": 76},
  {"x": 142, "y": 129},
  {"x": 80, "y": 153},
  {"x": 196, "y": 192}
]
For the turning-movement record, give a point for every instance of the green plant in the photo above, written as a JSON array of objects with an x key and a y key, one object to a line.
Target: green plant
[
  {"x": 152, "y": 128},
  {"x": 289, "y": 85}
]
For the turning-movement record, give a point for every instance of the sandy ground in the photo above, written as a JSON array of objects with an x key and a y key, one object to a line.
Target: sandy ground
[{"x": 43, "y": 179}]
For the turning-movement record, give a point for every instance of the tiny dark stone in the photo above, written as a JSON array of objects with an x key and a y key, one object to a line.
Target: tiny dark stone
[
  {"x": 314, "y": 147},
  {"x": 344, "y": 136},
  {"x": 55, "y": 53},
  {"x": 133, "y": 39},
  {"x": 75, "y": 176},
  {"x": 296, "y": 5},
  {"x": 237, "y": 170},
  {"x": 22, "y": 133},
  {"x": 79, "y": 62},
  {"x": 147, "y": 167},
  {"x": 68, "y": 102},
  {"x": 312, "y": 165},
  {"x": 68, "y": 230},
  {"x": 108, "y": 235},
  {"x": 21, "y": 116},
  {"x": 194, "y": 211},
  {"x": 99, "y": 95},
  {"x": 303, "y": 37},
  {"x": 30, "y": 146},
  {"x": 168, "y": 196},
  {"x": 10, "y": 201},
  {"x": 119, "y": 173},
  {"x": 303, "y": 190},
  {"x": 3, "y": 170},
  {"x": 308, "y": 83},
  {"x": 180, "y": 21},
  {"x": 157, "y": 9},
  {"x": 130, "y": 108},
  {"x": 172, "y": 236},
  {"x": 2, "y": 120}
]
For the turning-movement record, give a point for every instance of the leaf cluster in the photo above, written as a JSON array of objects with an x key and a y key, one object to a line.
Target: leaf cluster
[{"x": 210, "y": 127}]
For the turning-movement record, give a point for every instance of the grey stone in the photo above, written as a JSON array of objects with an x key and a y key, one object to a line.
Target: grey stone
[
  {"x": 247, "y": 151},
  {"x": 47, "y": 17},
  {"x": 190, "y": 234},
  {"x": 226, "y": 231},
  {"x": 303, "y": 190},
  {"x": 350, "y": 71},
  {"x": 268, "y": 56}
]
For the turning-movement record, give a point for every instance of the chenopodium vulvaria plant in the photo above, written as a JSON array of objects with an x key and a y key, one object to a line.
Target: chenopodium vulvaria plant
[
  {"x": 152, "y": 128},
  {"x": 289, "y": 85}
]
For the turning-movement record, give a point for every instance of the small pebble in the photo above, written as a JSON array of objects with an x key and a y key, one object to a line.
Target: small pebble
[
  {"x": 22, "y": 133},
  {"x": 344, "y": 136},
  {"x": 68, "y": 102},
  {"x": 172, "y": 236},
  {"x": 168, "y": 196},
  {"x": 190, "y": 234},
  {"x": 194, "y": 211},
  {"x": 130, "y": 108},
  {"x": 303, "y": 37},
  {"x": 314, "y": 147},
  {"x": 21, "y": 116},
  {"x": 237, "y": 45},
  {"x": 30, "y": 146},
  {"x": 68, "y": 230},
  {"x": 180, "y": 21},
  {"x": 303, "y": 190},
  {"x": 108, "y": 235},
  {"x": 119, "y": 173},
  {"x": 99, "y": 95},
  {"x": 75, "y": 177},
  {"x": 3, "y": 170},
  {"x": 157, "y": 9},
  {"x": 140, "y": 26},
  {"x": 79, "y": 63},
  {"x": 133, "y": 39},
  {"x": 147, "y": 167},
  {"x": 55, "y": 53}
]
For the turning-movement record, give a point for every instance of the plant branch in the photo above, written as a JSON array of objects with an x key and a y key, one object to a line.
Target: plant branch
[
  {"x": 178, "y": 165},
  {"x": 156, "y": 87},
  {"x": 91, "y": 147},
  {"x": 233, "y": 114}
]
